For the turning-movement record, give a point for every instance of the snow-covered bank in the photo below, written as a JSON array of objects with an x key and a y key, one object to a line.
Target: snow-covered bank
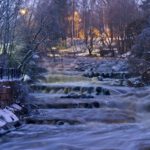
[{"x": 10, "y": 117}]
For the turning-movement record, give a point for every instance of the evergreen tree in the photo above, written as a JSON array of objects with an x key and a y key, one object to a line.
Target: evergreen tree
[{"x": 58, "y": 19}]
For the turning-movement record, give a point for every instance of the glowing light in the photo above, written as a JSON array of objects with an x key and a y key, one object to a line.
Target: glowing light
[
  {"x": 80, "y": 20},
  {"x": 23, "y": 11},
  {"x": 76, "y": 13}
]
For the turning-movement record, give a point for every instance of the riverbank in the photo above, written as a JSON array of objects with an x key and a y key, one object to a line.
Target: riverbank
[{"x": 11, "y": 117}]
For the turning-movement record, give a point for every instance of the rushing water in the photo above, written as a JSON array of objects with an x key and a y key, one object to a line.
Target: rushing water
[{"x": 117, "y": 122}]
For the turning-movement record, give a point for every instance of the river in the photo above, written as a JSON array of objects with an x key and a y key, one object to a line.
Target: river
[{"x": 120, "y": 121}]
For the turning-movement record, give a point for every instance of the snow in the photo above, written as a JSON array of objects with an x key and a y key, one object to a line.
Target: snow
[
  {"x": 12, "y": 115},
  {"x": 36, "y": 56},
  {"x": 10, "y": 108},
  {"x": 125, "y": 55},
  {"x": 2, "y": 123},
  {"x": 6, "y": 116},
  {"x": 5, "y": 79},
  {"x": 26, "y": 78},
  {"x": 17, "y": 107},
  {"x": 112, "y": 65}
]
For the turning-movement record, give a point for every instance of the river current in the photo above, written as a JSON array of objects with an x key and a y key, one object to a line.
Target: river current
[{"x": 120, "y": 121}]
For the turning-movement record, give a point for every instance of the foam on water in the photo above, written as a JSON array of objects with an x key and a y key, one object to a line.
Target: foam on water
[{"x": 98, "y": 128}]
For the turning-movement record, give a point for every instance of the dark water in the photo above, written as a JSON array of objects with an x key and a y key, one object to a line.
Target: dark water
[{"x": 120, "y": 122}]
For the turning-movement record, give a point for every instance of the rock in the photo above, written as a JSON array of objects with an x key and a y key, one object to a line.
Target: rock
[
  {"x": 90, "y": 73},
  {"x": 26, "y": 78},
  {"x": 12, "y": 115},
  {"x": 106, "y": 92},
  {"x": 2, "y": 123},
  {"x": 6, "y": 117},
  {"x": 100, "y": 78},
  {"x": 77, "y": 88},
  {"x": 16, "y": 107},
  {"x": 135, "y": 82},
  {"x": 98, "y": 90},
  {"x": 90, "y": 90},
  {"x": 96, "y": 104},
  {"x": 146, "y": 77},
  {"x": 96, "y": 74}
]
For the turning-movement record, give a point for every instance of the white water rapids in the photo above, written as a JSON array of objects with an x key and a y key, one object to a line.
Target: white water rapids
[{"x": 121, "y": 122}]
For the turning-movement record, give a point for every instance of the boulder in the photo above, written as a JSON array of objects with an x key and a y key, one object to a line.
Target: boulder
[{"x": 135, "y": 82}]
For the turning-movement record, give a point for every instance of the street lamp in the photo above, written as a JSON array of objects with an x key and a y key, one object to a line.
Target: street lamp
[{"x": 23, "y": 11}]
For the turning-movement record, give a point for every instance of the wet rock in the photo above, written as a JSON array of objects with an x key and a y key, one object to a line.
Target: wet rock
[
  {"x": 76, "y": 88},
  {"x": 90, "y": 73},
  {"x": 106, "y": 92},
  {"x": 106, "y": 75},
  {"x": 115, "y": 75},
  {"x": 90, "y": 90},
  {"x": 100, "y": 78},
  {"x": 96, "y": 104},
  {"x": 135, "y": 82},
  {"x": 98, "y": 90},
  {"x": 60, "y": 123}
]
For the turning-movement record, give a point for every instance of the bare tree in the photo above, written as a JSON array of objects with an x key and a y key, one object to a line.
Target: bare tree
[{"x": 9, "y": 12}]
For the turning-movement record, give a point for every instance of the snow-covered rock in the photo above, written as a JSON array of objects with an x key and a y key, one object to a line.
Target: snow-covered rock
[
  {"x": 2, "y": 123},
  {"x": 135, "y": 82},
  {"x": 16, "y": 107},
  {"x": 26, "y": 78},
  {"x": 10, "y": 108},
  {"x": 8, "y": 118},
  {"x": 113, "y": 65},
  {"x": 5, "y": 116},
  {"x": 12, "y": 115},
  {"x": 125, "y": 55}
]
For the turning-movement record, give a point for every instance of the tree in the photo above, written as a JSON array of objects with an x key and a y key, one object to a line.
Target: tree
[
  {"x": 119, "y": 14},
  {"x": 9, "y": 10},
  {"x": 89, "y": 23},
  {"x": 140, "y": 58},
  {"x": 56, "y": 24}
]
